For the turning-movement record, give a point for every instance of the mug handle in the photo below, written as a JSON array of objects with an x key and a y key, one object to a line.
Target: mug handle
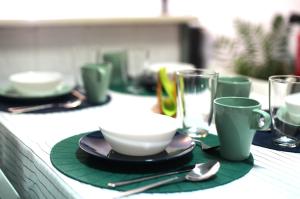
[
  {"x": 100, "y": 73},
  {"x": 262, "y": 120}
]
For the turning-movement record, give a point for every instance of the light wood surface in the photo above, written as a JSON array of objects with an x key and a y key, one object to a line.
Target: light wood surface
[{"x": 101, "y": 21}]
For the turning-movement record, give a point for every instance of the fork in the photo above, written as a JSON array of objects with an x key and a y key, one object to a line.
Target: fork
[{"x": 70, "y": 104}]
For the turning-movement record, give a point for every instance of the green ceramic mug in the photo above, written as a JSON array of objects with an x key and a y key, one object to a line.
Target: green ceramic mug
[
  {"x": 119, "y": 62},
  {"x": 237, "y": 119},
  {"x": 96, "y": 79},
  {"x": 233, "y": 86}
]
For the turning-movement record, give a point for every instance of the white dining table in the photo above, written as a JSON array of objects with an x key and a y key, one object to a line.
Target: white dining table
[{"x": 27, "y": 139}]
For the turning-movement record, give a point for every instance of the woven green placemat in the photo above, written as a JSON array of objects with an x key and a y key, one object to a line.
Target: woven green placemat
[
  {"x": 77, "y": 164},
  {"x": 129, "y": 89}
]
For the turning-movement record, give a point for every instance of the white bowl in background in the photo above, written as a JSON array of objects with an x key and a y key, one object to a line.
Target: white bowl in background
[
  {"x": 292, "y": 103},
  {"x": 170, "y": 66},
  {"x": 36, "y": 82},
  {"x": 138, "y": 134}
]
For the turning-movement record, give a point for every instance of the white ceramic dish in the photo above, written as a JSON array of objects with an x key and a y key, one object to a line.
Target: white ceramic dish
[
  {"x": 284, "y": 117},
  {"x": 36, "y": 82},
  {"x": 170, "y": 66},
  {"x": 293, "y": 107},
  {"x": 94, "y": 144},
  {"x": 138, "y": 134}
]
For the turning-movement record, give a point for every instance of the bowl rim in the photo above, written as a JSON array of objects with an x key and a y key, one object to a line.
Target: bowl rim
[
  {"x": 19, "y": 77},
  {"x": 170, "y": 125}
]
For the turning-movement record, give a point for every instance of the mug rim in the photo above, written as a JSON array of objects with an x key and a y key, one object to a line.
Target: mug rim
[
  {"x": 244, "y": 80},
  {"x": 257, "y": 103}
]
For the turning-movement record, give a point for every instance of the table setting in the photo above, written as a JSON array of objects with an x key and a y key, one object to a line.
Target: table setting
[
  {"x": 135, "y": 74},
  {"x": 233, "y": 98},
  {"x": 284, "y": 109},
  {"x": 95, "y": 165},
  {"x": 51, "y": 91},
  {"x": 213, "y": 144}
]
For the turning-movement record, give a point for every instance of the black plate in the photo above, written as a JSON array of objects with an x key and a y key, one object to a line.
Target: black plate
[
  {"x": 7, "y": 92},
  {"x": 95, "y": 144}
]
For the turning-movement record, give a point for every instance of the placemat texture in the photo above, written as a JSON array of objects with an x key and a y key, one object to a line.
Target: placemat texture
[
  {"x": 265, "y": 139},
  {"x": 130, "y": 89},
  {"x": 75, "y": 163},
  {"x": 5, "y": 103}
]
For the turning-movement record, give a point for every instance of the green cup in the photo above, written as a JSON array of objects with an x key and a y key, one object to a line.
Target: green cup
[
  {"x": 237, "y": 119},
  {"x": 96, "y": 79},
  {"x": 119, "y": 62},
  {"x": 233, "y": 86}
]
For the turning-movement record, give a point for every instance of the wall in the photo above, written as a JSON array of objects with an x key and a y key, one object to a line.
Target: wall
[
  {"x": 70, "y": 47},
  {"x": 67, "y": 48},
  {"x": 218, "y": 16}
]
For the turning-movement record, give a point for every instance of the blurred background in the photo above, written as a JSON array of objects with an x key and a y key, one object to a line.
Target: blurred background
[{"x": 255, "y": 38}]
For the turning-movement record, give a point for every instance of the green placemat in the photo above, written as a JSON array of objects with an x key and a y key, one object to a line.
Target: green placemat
[
  {"x": 130, "y": 89},
  {"x": 75, "y": 163}
]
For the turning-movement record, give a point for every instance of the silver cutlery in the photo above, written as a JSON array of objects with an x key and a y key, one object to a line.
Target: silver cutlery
[
  {"x": 200, "y": 172},
  {"x": 149, "y": 177},
  {"x": 70, "y": 104},
  {"x": 204, "y": 146}
]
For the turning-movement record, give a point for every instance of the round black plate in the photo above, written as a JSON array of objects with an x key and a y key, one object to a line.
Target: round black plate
[
  {"x": 6, "y": 91},
  {"x": 95, "y": 144}
]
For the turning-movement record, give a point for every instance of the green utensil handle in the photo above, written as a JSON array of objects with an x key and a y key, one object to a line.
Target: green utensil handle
[
  {"x": 100, "y": 73},
  {"x": 169, "y": 101},
  {"x": 262, "y": 120}
]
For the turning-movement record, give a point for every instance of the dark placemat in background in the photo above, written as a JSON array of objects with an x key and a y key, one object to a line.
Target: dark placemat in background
[
  {"x": 265, "y": 139},
  {"x": 142, "y": 89},
  {"x": 6, "y": 102},
  {"x": 75, "y": 163}
]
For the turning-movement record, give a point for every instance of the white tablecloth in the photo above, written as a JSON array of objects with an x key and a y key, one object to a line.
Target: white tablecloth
[{"x": 26, "y": 141}]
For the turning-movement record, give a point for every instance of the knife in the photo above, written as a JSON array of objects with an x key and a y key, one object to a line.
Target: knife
[{"x": 134, "y": 180}]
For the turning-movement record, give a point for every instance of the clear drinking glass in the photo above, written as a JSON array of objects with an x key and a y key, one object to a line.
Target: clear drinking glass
[
  {"x": 137, "y": 62},
  {"x": 196, "y": 90},
  {"x": 284, "y": 105}
]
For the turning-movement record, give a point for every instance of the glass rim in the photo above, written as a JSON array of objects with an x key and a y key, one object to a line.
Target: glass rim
[
  {"x": 279, "y": 78},
  {"x": 190, "y": 72}
]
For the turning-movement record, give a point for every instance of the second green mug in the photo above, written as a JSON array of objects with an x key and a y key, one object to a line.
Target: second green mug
[
  {"x": 96, "y": 79},
  {"x": 237, "y": 119},
  {"x": 118, "y": 60},
  {"x": 233, "y": 86}
]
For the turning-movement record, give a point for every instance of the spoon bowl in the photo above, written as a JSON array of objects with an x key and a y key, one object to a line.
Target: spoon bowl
[
  {"x": 201, "y": 172},
  {"x": 204, "y": 146}
]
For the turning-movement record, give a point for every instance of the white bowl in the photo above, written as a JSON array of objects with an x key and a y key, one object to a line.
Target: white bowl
[
  {"x": 170, "y": 66},
  {"x": 293, "y": 107},
  {"x": 36, "y": 82},
  {"x": 138, "y": 134}
]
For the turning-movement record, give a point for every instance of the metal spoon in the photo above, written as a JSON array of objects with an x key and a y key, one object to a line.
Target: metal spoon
[
  {"x": 200, "y": 172},
  {"x": 70, "y": 104},
  {"x": 204, "y": 146}
]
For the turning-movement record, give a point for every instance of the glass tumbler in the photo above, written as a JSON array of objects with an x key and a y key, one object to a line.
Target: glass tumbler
[
  {"x": 196, "y": 89},
  {"x": 284, "y": 105},
  {"x": 137, "y": 62}
]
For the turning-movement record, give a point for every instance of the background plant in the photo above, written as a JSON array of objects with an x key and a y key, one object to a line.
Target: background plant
[{"x": 257, "y": 52}]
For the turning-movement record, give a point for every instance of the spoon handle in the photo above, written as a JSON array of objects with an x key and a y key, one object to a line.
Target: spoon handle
[
  {"x": 26, "y": 109},
  {"x": 150, "y": 186},
  {"x": 149, "y": 177}
]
